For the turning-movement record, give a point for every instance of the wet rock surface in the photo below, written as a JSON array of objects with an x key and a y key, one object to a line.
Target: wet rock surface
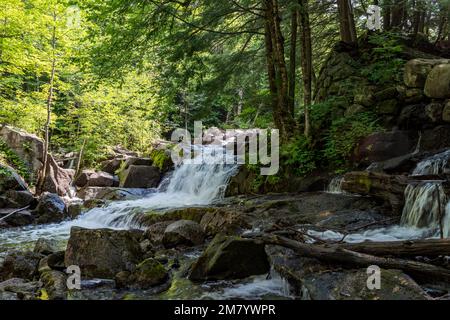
[{"x": 103, "y": 253}]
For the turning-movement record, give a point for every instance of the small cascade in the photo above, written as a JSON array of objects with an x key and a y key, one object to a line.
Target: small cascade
[
  {"x": 424, "y": 205},
  {"x": 437, "y": 164},
  {"x": 426, "y": 202},
  {"x": 189, "y": 185},
  {"x": 335, "y": 186}
]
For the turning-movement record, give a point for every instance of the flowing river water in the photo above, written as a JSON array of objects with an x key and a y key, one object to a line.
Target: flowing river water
[
  {"x": 204, "y": 184},
  {"x": 189, "y": 185}
]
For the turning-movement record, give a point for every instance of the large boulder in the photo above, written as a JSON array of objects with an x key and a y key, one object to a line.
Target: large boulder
[
  {"x": 55, "y": 284},
  {"x": 230, "y": 258},
  {"x": 148, "y": 274},
  {"x": 45, "y": 246},
  {"x": 413, "y": 117},
  {"x": 19, "y": 199},
  {"x": 83, "y": 178},
  {"x": 103, "y": 179},
  {"x": 389, "y": 189},
  {"x": 435, "y": 139},
  {"x": 51, "y": 209},
  {"x": 58, "y": 180},
  {"x": 183, "y": 232},
  {"x": 103, "y": 253},
  {"x": 12, "y": 218},
  {"x": 221, "y": 221},
  {"x": 10, "y": 180},
  {"x": 437, "y": 85},
  {"x": 19, "y": 289},
  {"x": 352, "y": 285},
  {"x": 22, "y": 265},
  {"x": 384, "y": 145},
  {"x": 417, "y": 70},
  {"x": 155, "y": 232},
  {"x": 27, "y": 146},
  {"x": 137, "y": 176},
  {"x": 111, "y": 166}
]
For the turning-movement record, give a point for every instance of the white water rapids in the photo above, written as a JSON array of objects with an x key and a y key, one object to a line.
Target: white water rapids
[
  {"x": 189, "y": 185},
  {"x": 425, "y": 205}
]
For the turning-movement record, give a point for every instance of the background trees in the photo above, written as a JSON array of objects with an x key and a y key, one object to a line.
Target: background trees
[{"x": 154, "y": 65}]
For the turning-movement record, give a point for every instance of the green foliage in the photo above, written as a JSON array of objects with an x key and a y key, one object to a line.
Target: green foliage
[
  {"x": 343, "y": 136},
  {"x": 300, "y": 156},
  {"x": 10, "y": 158},
  {"x": 384, "y": 65}
]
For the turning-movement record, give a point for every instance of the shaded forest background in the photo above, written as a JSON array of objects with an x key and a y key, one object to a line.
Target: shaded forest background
[{"x": 91, "y": 74}]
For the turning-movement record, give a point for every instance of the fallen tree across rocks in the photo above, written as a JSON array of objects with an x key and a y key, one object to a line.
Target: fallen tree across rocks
[{"x": 341, "y": 255}]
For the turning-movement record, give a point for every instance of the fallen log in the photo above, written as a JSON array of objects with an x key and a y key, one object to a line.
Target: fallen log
[
  {"x": 427, "y": 248},
  {"x": 347, "y": 258}
]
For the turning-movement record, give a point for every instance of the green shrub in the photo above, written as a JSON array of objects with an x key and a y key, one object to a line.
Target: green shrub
[
  {"x": 10, "y": 158},
  {"x": 344, "y": 135},
  {"x": 383, "y": 63},
  {"x": 300, "y": 156}
]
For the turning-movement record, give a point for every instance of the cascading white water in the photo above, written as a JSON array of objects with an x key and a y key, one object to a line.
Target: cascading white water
[
  {"x": 434, "y": 165},
  {"x": 335, "y": 186},
  {"x": 424, "y": 205},
  {"x": 190, "y": 185}
]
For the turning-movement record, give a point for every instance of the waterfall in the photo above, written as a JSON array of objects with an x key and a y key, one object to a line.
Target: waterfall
[
  {"x": 424, "y": 205},
  {"x": 189, "y": 185},
  {"x": 335, "y": 186},
  {"x": 437, "y": 164},
  {"x": 426, "y": 202}
]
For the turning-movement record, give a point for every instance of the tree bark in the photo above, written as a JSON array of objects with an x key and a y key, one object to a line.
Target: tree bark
[
  {"x": 306, "y": 55},
  {"x": 293, "y": 61},
  {"x": 428, "y": 248},
  {"x": 347, "y": 21},
  {"x": 43, "y": 174},
  {"x": 387, "y": 15},
  {"x": 347, "y": 258},
  {"x": 277, "y": 70}
]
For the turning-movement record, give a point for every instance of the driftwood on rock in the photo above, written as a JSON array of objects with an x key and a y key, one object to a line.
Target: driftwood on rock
[
  {"x": 429, "y": 248},
  {"x": 338, "y": 254}
]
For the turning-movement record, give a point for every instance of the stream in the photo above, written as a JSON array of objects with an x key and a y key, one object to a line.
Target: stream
[{"x": 203, "y": 185}]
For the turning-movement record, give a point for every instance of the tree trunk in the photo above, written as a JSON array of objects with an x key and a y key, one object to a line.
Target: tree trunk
[
  {"x": 344, "y": 257},
  {"x": 398, "y": 14},
  {"x": 428, "y": 248},
  {"x": 347, "y": 21},
  {"x": 43, "y": 174},
  {"x": 277, "y": 70},
  {"x": 293, "y": 61},
  {"x": 306, "y": 55},
  {"x": 387, "y": 15}
]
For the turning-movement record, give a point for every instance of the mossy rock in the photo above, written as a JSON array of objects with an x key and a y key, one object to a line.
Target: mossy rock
[
  {"x": 230, "y": 258},
  {"x": 162, "y": 160},
  {"x": 192, "y": 214},
  {"x": 149, "y": 273}
]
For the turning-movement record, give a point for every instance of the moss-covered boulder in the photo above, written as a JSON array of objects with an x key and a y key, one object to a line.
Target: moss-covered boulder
[
  {"x": 230, "y": 258},
  {"x": 437, "y": 85},
  {"x": 148, "y": 274},
  {"x": 55, "y": 284},
  {"x": 162, "y": 159},
  {"x": 102, "y": 253},
  {"x": 417, "y": 70}
]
